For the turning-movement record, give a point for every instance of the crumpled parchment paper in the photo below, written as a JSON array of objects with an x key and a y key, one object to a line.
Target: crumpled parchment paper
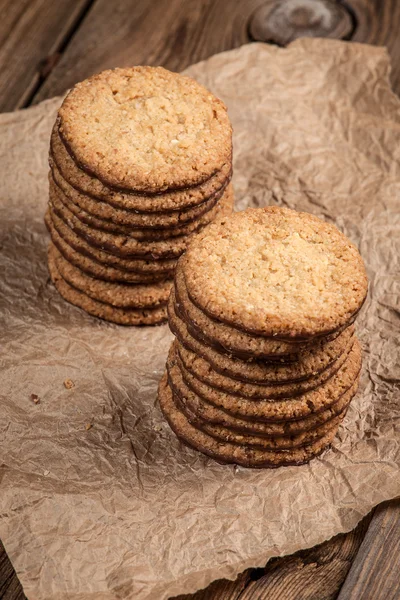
[{"x": 121, "y": 509}]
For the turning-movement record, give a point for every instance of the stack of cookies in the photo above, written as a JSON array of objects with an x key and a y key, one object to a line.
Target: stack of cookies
[
  {"x": 140, "y": 161},
  {"x": 265, "y": 360}
]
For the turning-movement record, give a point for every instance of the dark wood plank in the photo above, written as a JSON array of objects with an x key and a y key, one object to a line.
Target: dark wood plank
[
  {"x": 312, "y": 574},
  {"x": 221, "y": 589},
  {"x": 176, "y": 33},
  {"x": 378, "y": 24},
  {"x": 283, "y": 22},
  {"x": 10, "y": 587},
  {"x": 31, "y": 32},
  {"x": 171, "y": 33},
  {"x": 375, "y": 573}
]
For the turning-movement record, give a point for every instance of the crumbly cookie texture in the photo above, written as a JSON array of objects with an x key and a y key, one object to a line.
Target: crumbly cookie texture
[
  {"x": 223, "y": 207},
  {"x": 201, "y": 369},
  {"x": 124, "y": 246},
  {"x": 120, "y": 295},
  {"x": 217, "y": 416},
  {"x": 146, "y": 129},
  {"x": 280, "y": 410},
  {"x": 96, "y": 269},
  {"x": 275, "y": 271},
  {"x": 61, "y": 160},
  {"x": 226, "y": 338},
  {"x": 223, "y": 434},
  {"x": 103, "y": 210},
  {"x": 121, "y": 316},
  {"x": 80, "y": 245},
  {"x": 312, "y": 361},
  {"x": 233, "y": 453}
]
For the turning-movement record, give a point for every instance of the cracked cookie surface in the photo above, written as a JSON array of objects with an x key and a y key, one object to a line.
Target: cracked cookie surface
[
  {"x": 145, "y": 129},
  {"x": 61, "y": 160},
  {"x": 276, "y": 272}
]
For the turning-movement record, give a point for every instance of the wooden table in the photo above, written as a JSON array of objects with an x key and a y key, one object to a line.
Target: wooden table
[{"x": 46, "y": 46}]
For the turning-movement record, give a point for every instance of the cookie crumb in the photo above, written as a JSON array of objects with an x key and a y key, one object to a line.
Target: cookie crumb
[
  {"x": 46, "y": 472},
  {"x": 157, "y": 428},
  {"x": 69, "y": 384},
  {"x": 35, "y": 398},
  {"x": 88, "y": 426}
]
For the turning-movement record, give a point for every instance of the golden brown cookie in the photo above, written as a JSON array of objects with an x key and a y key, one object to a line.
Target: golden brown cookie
[
  {"x": 223, "y": 207},
  {"x": 312, "y": 361},
  {"x": 217, "y": 416},
  {"x": 96, "y": 269},
  {"x": 134, "y": 219},
  {"x": 125, "y": 246},
  {"x": 203, "y": 371},
  {"x": 145, "y": 129},
  {"x": 232, "y": 453},
  {"x": 120, "y": 295},
  {"x": 223, "y": 434},
  {"x": 227, "y": 339},
  {"x": 167, "y": 201},
  {"x": 128, "y": 264},
  {"x": 276, "y": 272},
  {"x": 280, "y": 410},
  {"x": 121, "y": 316}
]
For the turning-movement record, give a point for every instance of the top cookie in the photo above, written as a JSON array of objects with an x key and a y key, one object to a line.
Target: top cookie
[
  {"x": 276, "y": 272},
  {"x": 146, "y": 129}
]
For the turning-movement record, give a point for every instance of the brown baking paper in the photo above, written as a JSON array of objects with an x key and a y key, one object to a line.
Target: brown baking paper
[{"x": 98, "y": 498}]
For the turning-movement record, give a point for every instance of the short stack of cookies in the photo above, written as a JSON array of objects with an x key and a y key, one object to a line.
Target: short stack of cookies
[
  {"x": 140, "y": 161},
  {"x": 265, "y": 360}
]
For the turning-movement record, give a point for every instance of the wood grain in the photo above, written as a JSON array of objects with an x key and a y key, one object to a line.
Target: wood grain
[
  {"x": 315, "y": 574},
  {"x": 31, "y": 34},
  {"x": 10, "y": 587},
  {"x": 176, "y": 33},
  {"x": 375, "y": 574},
  {"x": 378, "y": 23},
  {"x": 283, "y": 22},
  {"x": 171, "y": 33},
  {"x": 221, "y": 589}
]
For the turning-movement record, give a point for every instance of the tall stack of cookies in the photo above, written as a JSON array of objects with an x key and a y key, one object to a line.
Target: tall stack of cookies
[
  {"x": 265, "y": 360},
  {"x": 140, "y": 161}
]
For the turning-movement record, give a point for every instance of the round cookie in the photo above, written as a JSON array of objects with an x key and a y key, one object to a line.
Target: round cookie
[
  {"x": 105, "y": 258},
  {"x": 124, "y": 246},
  {"x": 118, "y": 245},
  {"x": 132, "y": 218},
  {"x": 203, "y": 371},
  {"x": 232, "y": 453},
  {"x": 224, "y": 434},
  {"x": 223, "y": 207},
  {"x": 120, "y": 295},
  {"x": 276, "y": 272},
  {"x": 121, "y": 316},
  {"x": 227, "y": 339},
  {"x": 217, "y": 416},
  {"x": 312, "y": 361},
  {"x": 145, "y": 129},
  {"x": 290, "y": 408},
  {"x": 165, "y": 202},
  {"x": 96, "y": 269}
]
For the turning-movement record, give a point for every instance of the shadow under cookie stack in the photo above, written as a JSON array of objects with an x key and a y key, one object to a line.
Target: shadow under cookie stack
[
  {"x": 140, "y": 161},
  {"x": 265, "y": 360}
]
